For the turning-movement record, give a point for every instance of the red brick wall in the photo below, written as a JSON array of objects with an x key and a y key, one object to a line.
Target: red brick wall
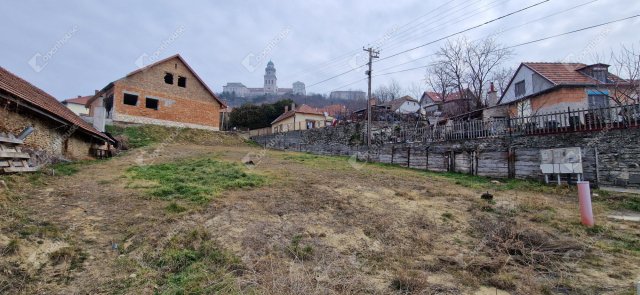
[
  {"x": 170, "y": 108},
  {"x": 191, "y": 105},
  {"x": 558, "y": 100}
]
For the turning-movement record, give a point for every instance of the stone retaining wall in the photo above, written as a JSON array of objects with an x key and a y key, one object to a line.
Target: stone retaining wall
[{"x": 609, "y": 157}]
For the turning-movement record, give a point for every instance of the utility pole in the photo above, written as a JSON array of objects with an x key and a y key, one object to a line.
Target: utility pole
[{"x": 372, "y": 54}]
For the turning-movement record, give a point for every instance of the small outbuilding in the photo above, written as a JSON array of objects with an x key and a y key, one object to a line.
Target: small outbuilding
[{"x": 57, "y": 131}]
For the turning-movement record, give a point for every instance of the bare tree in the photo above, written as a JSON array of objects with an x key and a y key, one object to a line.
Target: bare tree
[
  {"x": 451, "y": 56},
  {"x": 395, "y": 90},
  {"x": 388, "y": 92},
  {"x": 482, "y": 58},
  {"x": 415, "y": 89},
  {"x": 501, "y": 78},
  {"x": 439, "y": 80},
  {"x": 626, "y": 65}
]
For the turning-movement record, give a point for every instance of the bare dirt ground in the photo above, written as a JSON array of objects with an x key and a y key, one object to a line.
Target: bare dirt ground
[{"x": 317, "y": 226}]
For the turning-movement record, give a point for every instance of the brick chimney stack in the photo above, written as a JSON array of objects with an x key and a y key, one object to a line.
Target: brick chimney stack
[{"x": 492, "y": 96}]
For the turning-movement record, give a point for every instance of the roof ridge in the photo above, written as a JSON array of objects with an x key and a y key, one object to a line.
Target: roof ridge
[
  {"x": 24, "y": 90},
  {"x": 177, "y": 55}
]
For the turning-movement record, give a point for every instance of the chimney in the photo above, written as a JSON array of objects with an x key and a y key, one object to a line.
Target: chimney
[
  {"x": 96, "y": 92},
  {"x": 286, "y": 109},
  {"x": 293, "y": 106},
  {"x": 492, "y": 96},
  {"x": 79, "y": 96},
  {"x": 99, "y": 115}
]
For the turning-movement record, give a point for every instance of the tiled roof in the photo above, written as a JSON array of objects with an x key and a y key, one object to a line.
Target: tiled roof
[
  {"x": 334, "y": 109},
  {"x": 303, "y": 109},
  {"x": 436, "y": 97},
  {"x": 396, "y": 103},
  {"x": 24, "y": 90},
  {"x": 78, "y": 100},
  {"x": 565, "y": 73}
]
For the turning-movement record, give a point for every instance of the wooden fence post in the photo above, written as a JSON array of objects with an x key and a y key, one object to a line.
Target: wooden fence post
[
  {"x": 393, "y": 151},
  {"x": 426, "y": 153},
  {"x": 409, "y": 157},
  {"x": 511, "y": 163}
]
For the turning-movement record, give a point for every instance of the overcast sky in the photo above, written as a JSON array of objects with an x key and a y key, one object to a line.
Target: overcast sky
[{"x": 71, "y": 48}]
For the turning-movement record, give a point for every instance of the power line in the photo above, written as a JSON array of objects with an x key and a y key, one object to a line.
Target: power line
[
  {"x": 575, "y": 31},
  {"x": 451, "y": 35},
  {"x": 403, "y": 41},
  {"x": 501, "y": 31},
  {"x": 351, "y": 52},
  {"x": 466, "y": 30},
  {"x": 442, "y": 16},
  {"x": 534, "y": 41}
]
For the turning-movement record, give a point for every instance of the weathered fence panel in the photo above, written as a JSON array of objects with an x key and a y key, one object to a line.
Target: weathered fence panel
[{"x": 493, "y": 164}]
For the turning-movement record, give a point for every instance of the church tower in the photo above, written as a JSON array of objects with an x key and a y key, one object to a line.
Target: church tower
[{"x": 270, "y": 80}]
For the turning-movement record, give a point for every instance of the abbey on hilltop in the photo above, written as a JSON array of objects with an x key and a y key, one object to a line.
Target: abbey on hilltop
[{"x": 270, "y": 86}]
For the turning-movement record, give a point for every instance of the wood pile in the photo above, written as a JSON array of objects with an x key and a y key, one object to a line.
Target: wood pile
[{"x": 12, "y": 159}]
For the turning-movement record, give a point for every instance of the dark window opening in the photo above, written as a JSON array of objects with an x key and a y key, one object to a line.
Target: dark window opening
[
  {"x": 130, "y": 99},
  {"x": 108, "y": 105},
  {"x": 151, "y": 103},
  {"x": 182, "y": 82},
  {"x": 168, "y": 78},
  {"x": 600, "y": 75},
  {"x": 520, "y": 88},
  {"x": 597, "y": 101}
]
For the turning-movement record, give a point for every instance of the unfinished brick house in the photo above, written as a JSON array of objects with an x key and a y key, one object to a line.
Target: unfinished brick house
[
  {"x": 167, "y": 92},
  {"x": 59, "y": 133}
]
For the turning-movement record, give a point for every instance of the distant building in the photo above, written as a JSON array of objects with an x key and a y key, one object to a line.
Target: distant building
[
  {"x": 236, "y": 87},
  {"x": 334, "y": 110},
  {"x": 349, "y": 94},
  {"x": 435, "y": 106},
  {"x": 404, "y": 105},
  {"x": 77, "y": 104},
  {"x": 269, "y": 87},
  {"x": 301, "y": 118},
  {"x": 299, "y": 89}
]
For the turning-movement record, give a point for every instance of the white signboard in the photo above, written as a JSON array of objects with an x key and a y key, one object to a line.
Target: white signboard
[{"x": 561, "y": 161}]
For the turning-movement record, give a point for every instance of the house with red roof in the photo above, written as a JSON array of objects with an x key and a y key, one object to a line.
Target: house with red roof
[
  {"x": 539, "y": 87},
  {"x": 300, "y": 118},
  {"x": 168, "y": 92},
  {"x": 58, "y": 131},
  {"x": 453, "y": 104},
  {"x": 78, "y": 105}
]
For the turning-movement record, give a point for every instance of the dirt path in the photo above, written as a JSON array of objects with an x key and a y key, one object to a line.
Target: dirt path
[{"x": 373, "y": 230}]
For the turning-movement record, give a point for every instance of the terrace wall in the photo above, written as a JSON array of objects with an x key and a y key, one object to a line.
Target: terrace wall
[{"x": 610, "y": 157}]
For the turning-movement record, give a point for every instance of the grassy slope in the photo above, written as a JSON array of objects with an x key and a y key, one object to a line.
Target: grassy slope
[{"x": 190, "y": 262}]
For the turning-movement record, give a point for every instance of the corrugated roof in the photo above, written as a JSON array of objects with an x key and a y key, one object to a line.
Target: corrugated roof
[{"x": 26, "y": 91}]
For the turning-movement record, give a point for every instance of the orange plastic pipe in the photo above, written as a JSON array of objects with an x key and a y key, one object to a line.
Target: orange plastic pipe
[{"x": 584, "y": 197}]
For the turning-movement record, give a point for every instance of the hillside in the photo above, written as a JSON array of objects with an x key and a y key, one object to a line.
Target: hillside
[{"x": 180, "y": 214}]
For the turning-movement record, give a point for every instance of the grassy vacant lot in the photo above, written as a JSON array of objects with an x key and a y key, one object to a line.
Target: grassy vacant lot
[{"x": 178, "y": 218}]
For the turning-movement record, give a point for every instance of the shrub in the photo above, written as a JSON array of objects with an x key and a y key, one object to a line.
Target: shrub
[
  {"x": 299, "y": 251},
  {"x": 11, "y": 248},
  {"x": 173, "y": 207}
]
